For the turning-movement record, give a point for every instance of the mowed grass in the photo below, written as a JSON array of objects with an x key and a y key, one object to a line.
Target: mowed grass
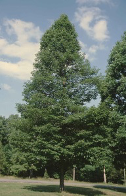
[{"x": 25, "y": 189}]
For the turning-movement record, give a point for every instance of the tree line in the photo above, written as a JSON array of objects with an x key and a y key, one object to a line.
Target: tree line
[{"x": 56, "y": 131}]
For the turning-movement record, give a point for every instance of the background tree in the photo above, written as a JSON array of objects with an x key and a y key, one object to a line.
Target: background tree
[
  {"x": 1, "y": 157},
  {"x": 120, "y": 144},
  {"x": 93, "y": 148},
  {"x": 6, "y": 128},
  {"x": 3, "y": 131},
  {"x": 3, "y": 142},
  {"x": 113, "y": 93},
  {"x": 24, "y": 159}
]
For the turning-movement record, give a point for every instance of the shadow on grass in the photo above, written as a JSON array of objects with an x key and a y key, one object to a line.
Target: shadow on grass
[
  {"x": 68, "y": 189},
  {"x": 112, "y": 188}
]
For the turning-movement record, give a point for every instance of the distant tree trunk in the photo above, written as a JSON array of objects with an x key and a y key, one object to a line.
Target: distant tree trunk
[
  {"x": 124, "y": 176},
  {"x": 31, "y": 173},
  {"x": 104, "y": 175},
  {"x": 62, "y": 178},
  {"x": 73, "y": 173}
]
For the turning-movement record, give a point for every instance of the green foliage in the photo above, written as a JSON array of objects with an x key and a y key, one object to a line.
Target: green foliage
[
  {"x": 19, "y": 170},
  {"x": 115, "y": 176},
  {"x": 69, "y": 174},
  {"x": 1, "y": 157},
  {"x": 46, "y": 174},
  {"x": 113, "y": 94},
  {"x": 5, "y": 147},
  {"x": 56, "y": 176},
  {"x": 113, "y": 88},
  {"x": 24, "y": 159},
  {"x": 94, "y": 139},
  {"x": 90, "y": 173},
  {"x": 120, "y": 144},
  {"x": 61, "y": 83},
  {"x": 3, "y": 131}
]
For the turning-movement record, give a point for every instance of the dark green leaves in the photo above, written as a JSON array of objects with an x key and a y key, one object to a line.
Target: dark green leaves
[{"x": 114, "y": 84}]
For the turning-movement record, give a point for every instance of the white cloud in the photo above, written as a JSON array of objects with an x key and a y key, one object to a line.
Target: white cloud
[
  {"x": 24, "y": 47},
  {"x": 100, "y": 30},
  {"x": 83, "y": 46},
  {"x": 6, "y": 87},
  {"x": 91, "y": 51},
  {"x": 23, "y": 30},
  {"x": 21, "y": 70},
  {"x": 92, "y": 22},
  {"x": 93, "y": 1},
  {"x": 94, "y": 48}
]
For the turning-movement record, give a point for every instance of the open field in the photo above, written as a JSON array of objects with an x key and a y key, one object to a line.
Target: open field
[{"x": 51, "y": 188}]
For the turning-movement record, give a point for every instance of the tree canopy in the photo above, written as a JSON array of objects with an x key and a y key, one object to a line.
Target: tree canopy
[{"x": 114, "y": 89}]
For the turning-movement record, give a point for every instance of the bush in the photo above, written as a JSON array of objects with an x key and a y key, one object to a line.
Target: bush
[
  {"x": 89, "y": 174},
  {"x": 46, "y": 174},
  {"x": 56, "y": 175},
  {"x": 68, "y": 175},
  {"x": 19, "y": 170},
  {"x": 115, "y": 176}
]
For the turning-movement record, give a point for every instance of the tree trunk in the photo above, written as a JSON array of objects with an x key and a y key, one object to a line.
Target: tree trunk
[
  {"x": 104, "y": 175},
  {"x": 62, "y": 178},
  {"x": 124, "y": 176},
  {"x": 31, "y": 173},
  {"x": 73, "y": 173}
]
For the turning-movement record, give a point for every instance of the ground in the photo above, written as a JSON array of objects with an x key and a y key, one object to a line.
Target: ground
[{"x": 26, "y": 187}]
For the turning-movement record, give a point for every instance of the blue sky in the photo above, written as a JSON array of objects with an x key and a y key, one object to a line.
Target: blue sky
[{"x": 99, "y": 24}]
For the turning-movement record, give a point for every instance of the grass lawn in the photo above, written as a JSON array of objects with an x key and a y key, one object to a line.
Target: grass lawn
[{"x": 25, "y": 189}]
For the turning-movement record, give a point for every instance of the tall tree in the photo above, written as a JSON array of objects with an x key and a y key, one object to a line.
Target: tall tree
[
  {"x": 61, "y": 83},
  {"x": 113, "y": 93}
]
